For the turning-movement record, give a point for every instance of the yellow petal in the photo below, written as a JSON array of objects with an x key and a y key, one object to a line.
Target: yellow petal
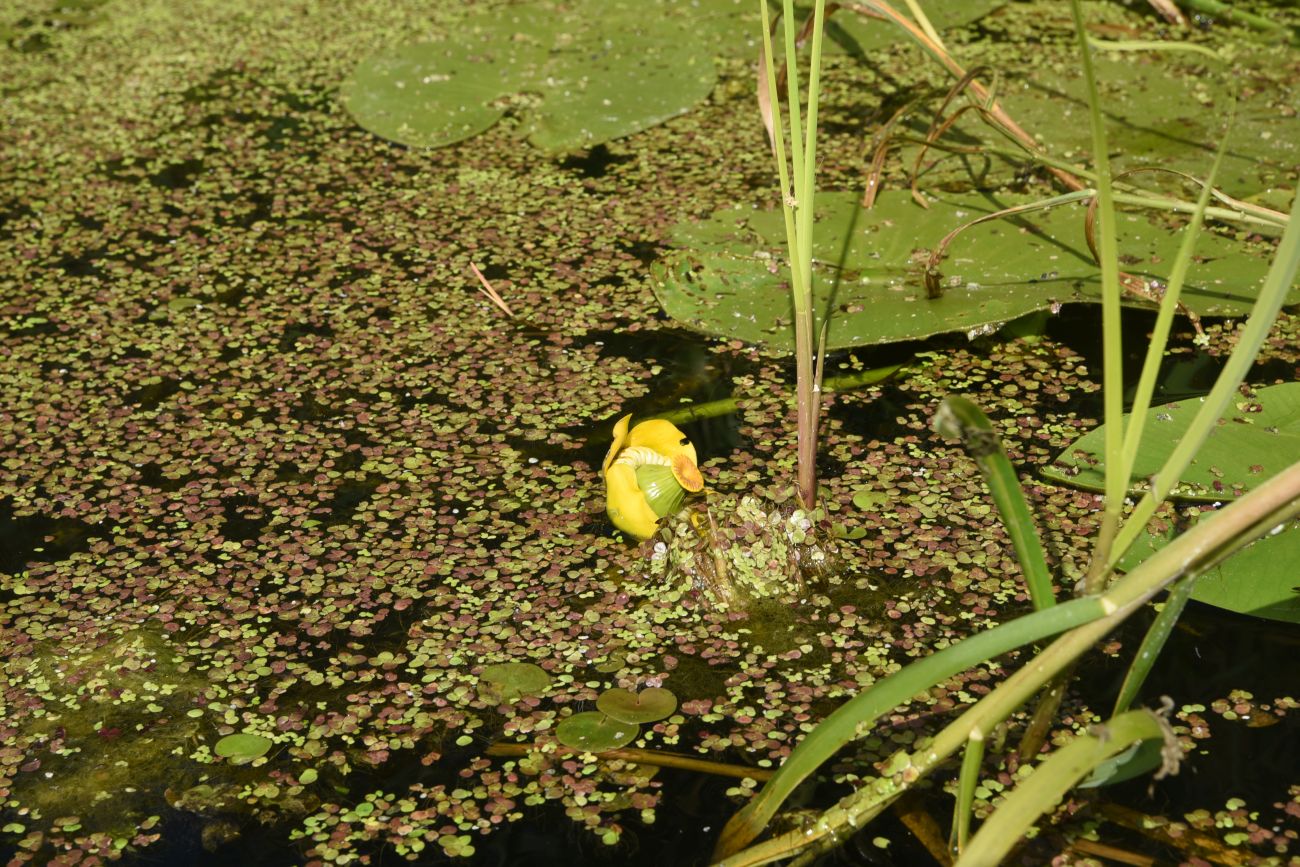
[
  {"x": 626, "y": 505},
  {"x": 663, "y": 437},
  {"x": 620, "y": 440}
]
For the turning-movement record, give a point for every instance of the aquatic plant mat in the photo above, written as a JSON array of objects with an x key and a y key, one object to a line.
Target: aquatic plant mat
[{"x": 302, "y": 549}]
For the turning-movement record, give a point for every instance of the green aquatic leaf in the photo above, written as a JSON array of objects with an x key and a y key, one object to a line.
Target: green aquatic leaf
[
  {"x": 242, "y": 747},
  {"x": 1138, "y": 760},
  {"x": 595, "y": 732},
  {"x": 1164, "y": 110},
  {"x": 507, "y": 681},
  {"x": 730, "y": 27},
  {"x": 648, "y": 705},
  {"x": 430, "y": 94},
  {"x": 1258, "y": 438},
  {"x": 868, "y": 500},
  {"x": 596, "y": 72},
  {"x": 1259, "y": 580},
  {"x": 728, "y": 277},
  {"x": 580, "y": 73}
]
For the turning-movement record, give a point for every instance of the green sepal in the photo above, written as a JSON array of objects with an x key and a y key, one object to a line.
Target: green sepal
[{"x": 661, "y": 489}]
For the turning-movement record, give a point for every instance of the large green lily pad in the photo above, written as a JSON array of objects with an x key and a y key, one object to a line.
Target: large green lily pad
[
  {"x": 729, "y": 276},
  {"x": 1165, "y": 110},
  {"x": 595, "y": 732},
  {"x": 582, "y": 72},
  {"x": 645, "y": 706},
  {"x": 731, "y": 26},
  {"x": 598, "y": 71},
  {"x": 1259, "y": 580},
  {"x": 1258, "y": 438}
]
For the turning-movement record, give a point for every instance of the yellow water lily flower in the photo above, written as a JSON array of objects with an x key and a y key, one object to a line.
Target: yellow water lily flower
[{"x": 647, "y": 473}]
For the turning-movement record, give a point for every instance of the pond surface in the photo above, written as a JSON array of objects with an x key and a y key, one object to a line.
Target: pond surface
[{"x": 273, "y": 467}]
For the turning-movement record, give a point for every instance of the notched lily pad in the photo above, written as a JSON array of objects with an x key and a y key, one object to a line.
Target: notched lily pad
[
  {"x": 242, "y": 747},
  {"x": 595, "y": 732},
  {"x": 648, "y": 705},
  {"x": 728, "y": 277},
  {"x": 507, "y": 681},
  {"x": 598, "y": 71},
  {"x": 1258, "y": 438}
]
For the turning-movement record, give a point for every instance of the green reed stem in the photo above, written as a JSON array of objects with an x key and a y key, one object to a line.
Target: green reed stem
[
  {"x": 971, "y": 762},
  {"x": 1044, "y": 789},
  {"x": 1164, "y": 322},
  {"x": 1281, "y": 276},
  {"x": 1153, "y": 642},
  {"x": 1112, "y": 326},
  {"x": 1246, "y": 213},
  {"x": 725, "y": 405},
  {"x": 1234, "y": 15},
  {"x": 798, "y": 194}
]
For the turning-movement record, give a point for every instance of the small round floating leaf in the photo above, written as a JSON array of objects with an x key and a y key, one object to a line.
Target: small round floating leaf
[
  {"x": 869, "y": 500},
  {"x": 243, "y": 747},
  {"x": 595, "y": 732},
  {"x": 645, "y": 706},
  {"x": 507, "y": 681}
]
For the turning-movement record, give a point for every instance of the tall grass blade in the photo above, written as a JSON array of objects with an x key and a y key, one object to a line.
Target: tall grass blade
[
  {"x": 855, "y": 717},
  {"x": 1281, "y": 276},
  {"x": 1112, "y": 326},
  {"x": 1164, "y": 321},
  {"x": 1044, "y": 789},
  {"x": 1153, "y": 642},
  {"x": 971, "y": 762},
  {"x": 958, "y": 418}
]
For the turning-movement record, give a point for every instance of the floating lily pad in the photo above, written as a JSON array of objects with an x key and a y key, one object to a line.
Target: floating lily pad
[
  {"x": 648, "y": 705},
  {"x": 595, "y": 732},
  {"x": 1258, "y": 438},
  {"x": 599, "y": 70},
  {"x": 731, "y": 26},
  {"x": 1259, "y": 580},
  {"x": 508, "y": 681},
  {"x": 242, "y": 747},
  {"x": 729, "y": 276},
  {"x": 1166, "y": 110},
  {"x": 594, "y": 70}
]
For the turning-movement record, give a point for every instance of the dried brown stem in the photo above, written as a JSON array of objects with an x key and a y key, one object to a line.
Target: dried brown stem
[
  {"x": 1131, "y": 283},
  {"x": 491, "y": 294},
  {"x": 879, "y": 8}
]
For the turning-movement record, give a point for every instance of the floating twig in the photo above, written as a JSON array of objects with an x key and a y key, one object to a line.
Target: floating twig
[
  {"x": 490, "y": 293},
  {"x": 641, "y": 757}
]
